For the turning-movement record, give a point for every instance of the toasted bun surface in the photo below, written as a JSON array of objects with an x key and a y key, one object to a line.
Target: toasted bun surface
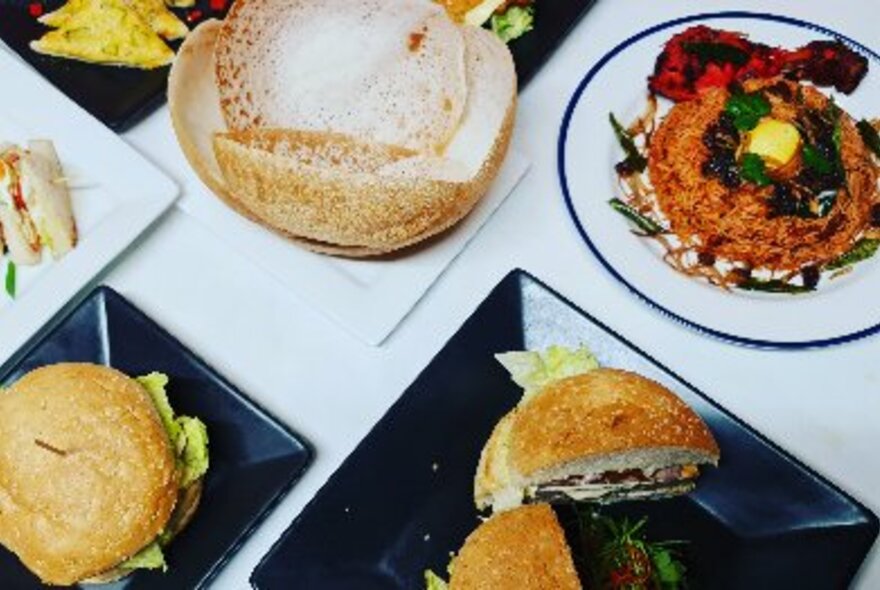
[
  {"x": 87, "y": 475},
  {"x": 603, "y": 420},
  {"x": 340, "y": 192},
  {"x": 523, "y": 549}
]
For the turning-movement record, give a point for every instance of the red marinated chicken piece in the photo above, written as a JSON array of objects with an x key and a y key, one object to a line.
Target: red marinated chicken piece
[{"x": 701, "y": 57}]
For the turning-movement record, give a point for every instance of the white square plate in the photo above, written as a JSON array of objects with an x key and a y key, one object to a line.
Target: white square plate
[
  {"x": 116, "y": 196},
  {"x": 367, "y": 297}
]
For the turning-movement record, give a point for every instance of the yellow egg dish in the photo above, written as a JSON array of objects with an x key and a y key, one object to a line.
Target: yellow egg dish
[
  {"x": 775, "y": 141},
  {"x": 106, "y": 32},
  {"x": 154, "y": 12}
]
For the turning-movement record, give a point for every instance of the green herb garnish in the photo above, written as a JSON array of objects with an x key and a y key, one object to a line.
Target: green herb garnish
[
  {"x": 716, "y": 52},
  {"x": 747, "y": 109},
  {"x": 774, "y": 286},
  {"x": 862, "y": 250},
  {"x": 10, "y": 279},
  {"x": 869, "y": 136},
  {"x": 635, "y": 161},
  {"x": 753, "y": 169},
  {"x": 620, "y": 557},
  {"x": 815, "y": 160},
  {"x": 644, "y": 223}
]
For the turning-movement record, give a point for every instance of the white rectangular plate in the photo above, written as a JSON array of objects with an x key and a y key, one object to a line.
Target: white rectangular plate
[
  {"x": 367, "y": 297},
  {"x": 116, "y": 195}
]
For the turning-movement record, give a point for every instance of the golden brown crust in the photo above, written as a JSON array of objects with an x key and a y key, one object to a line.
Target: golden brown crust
[
  {"x": 601, "y": 412},
  {"x": 87, "y": 475},
  {"x": 523, "y": 549},
  {"x": 342, "y": 206}
]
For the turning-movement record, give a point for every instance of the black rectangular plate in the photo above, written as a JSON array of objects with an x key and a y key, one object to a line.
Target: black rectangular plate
[
  {"x": 118, "y": 97},
  {"x": 403, "y": 500},
  {"x": 121, "y": 97},
  {"x": 254, "y": 459}
]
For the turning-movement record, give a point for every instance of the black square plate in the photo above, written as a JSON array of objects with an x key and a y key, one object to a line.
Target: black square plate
[
  {"x": 120, "y": 97},
  {"x": 403, "y": 500},
  {"x": 254, "y": 459}
]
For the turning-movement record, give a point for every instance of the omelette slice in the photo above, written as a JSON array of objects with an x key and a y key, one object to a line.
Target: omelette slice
[
  {"x": 106, "y": 32},
  {"x": 164, "y": 22}
]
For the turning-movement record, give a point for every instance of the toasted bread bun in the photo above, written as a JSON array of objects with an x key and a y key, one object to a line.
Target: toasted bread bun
[
  {"x": 184, "y": 510},
  {"x": 378, "y": 71},
  {"x": 523, "y": 549},
  {"x": 606, "y": 421},
  {"x": 87, "y": 473},
  {"x": 336, "y": 192}
]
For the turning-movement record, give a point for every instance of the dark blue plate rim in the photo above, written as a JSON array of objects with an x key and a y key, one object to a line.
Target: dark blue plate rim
[
  {"x": 872, "y": 521},
  {"x": 563, "y": 179},
  {"x": 106, "y": 293}
]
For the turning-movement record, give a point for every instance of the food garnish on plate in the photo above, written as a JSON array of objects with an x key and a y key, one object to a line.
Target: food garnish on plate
[
  {"x": 112, "y": 32},
  {"x": 588, "y": 433},
  {"x": 509, "y": 19},
  {"x": 97, "y": 473},
  {"x": 351, "y": 127},
  {"x": 755, "y": 179},
  {"x": 35, "y": 206}
]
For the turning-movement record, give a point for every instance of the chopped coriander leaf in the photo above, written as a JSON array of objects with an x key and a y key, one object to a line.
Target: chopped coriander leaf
[
  {"x": 862, "y": 250},
  {"x": 644, "y": 223},
  {"x": 514, "y": 23},
  {"x": 869, "y": 136},
  {"x": 815, "y": 160},
  {"x": 10, "y": 279},
  {"x": 747, "y": 109},
  {"x": 635, "y": 161},
  {"x": 753, "y": 169}
]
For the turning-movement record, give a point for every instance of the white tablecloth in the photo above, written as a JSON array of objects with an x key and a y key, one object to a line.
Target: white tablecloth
[{"x": 823, "y": 406}]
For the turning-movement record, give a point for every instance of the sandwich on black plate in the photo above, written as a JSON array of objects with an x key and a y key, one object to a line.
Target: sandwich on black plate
[
  {"x": 97, "y": 474},
  {"x": 586, "y": 433},
  {"x": 524, "y": 548}
]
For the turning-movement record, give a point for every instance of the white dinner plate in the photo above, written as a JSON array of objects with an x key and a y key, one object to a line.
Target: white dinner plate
[
  {"x": 839, "y": 311},
  {"x": 116, "y": 194},
  {"x": 369, "y": 298}
]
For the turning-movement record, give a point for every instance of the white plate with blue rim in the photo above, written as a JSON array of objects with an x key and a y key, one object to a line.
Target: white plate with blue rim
[{"x": 837, "y": 311}]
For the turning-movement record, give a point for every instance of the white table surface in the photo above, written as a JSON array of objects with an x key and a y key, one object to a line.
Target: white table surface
[{"x": 823, "y": 405}]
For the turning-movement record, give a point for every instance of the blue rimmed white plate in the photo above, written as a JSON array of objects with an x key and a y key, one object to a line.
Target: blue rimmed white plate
[{"x": 839, "y": 311}]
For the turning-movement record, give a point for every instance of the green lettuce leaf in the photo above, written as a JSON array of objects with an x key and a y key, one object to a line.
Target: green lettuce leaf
[
  {"x": 533, "y": 370},
  {"x": 514, "y": 23},
  {"x": 195, "y": 453},
  {"x": 148, "y": 558},
  {"x": 189, "y": 436},
  {"x": 434, "y": 582}
]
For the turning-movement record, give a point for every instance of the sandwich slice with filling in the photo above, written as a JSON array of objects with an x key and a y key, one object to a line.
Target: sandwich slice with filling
[
  {"x": 523, "y": 548},
  {"x": 35, "y": 205},
  {"x": 586, "y": 433},
  {"x": 97, "y": 473}
]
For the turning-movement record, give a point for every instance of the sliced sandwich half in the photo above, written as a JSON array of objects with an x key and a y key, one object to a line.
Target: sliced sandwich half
[
  {"x": 602, "y": 435},
  {"x": 35, "y": 206},
  {"x": 523, "y": 549}
]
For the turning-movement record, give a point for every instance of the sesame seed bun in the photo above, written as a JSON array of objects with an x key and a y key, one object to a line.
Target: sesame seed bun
[
  {"x": 606, "y": 420},
  {"x": 87, "y": 474},
  {"x": 523, "y": 549}
]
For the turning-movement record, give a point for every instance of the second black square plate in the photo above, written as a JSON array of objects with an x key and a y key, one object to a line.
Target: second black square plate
[
  {"x": 403, "y": 500},
  {"x": 254, "y": 460}
]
